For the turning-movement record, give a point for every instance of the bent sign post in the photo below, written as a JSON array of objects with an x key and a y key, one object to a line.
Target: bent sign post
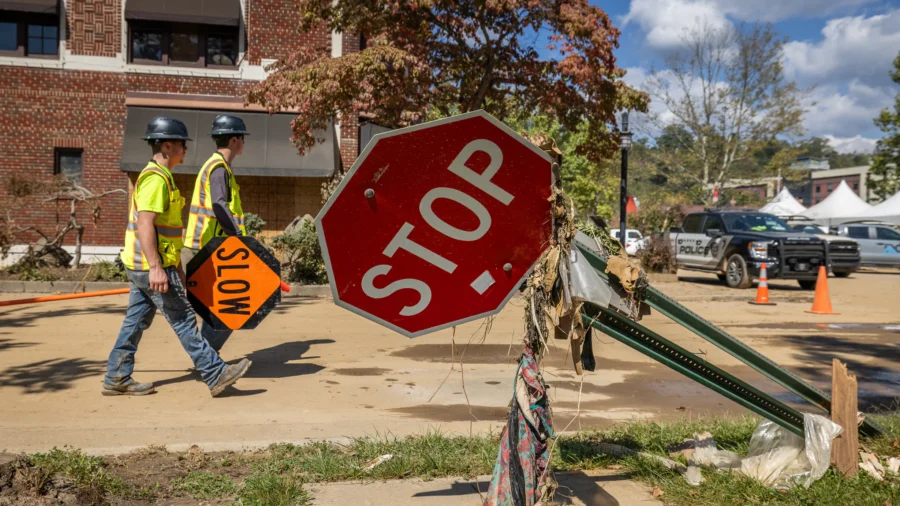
[
  {"x": 437, "y": 224},
  {"x": 233, "y": 283}
]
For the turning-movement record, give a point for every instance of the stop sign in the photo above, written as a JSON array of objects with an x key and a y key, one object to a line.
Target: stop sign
[{"x": 437, "y": 224}]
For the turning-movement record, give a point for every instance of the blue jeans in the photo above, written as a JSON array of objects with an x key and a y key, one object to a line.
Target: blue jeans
[{"x": 142, "y": 306}]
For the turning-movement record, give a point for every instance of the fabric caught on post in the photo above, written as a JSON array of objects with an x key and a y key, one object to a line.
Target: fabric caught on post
[{"x": 521, "y": 475}]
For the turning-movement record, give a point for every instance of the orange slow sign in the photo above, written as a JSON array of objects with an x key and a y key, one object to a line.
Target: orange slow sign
[{"x": 234, "y": 282}]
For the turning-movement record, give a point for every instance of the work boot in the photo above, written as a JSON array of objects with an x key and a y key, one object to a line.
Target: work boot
[
  {"x": 130, "y": 388},
  {"x": 229, "y": 376}
]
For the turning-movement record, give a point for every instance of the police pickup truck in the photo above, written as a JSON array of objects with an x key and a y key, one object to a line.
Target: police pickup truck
[{"x": 735, "y": 244}]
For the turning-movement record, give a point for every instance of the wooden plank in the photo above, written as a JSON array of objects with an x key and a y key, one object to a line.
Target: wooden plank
[{"x": 845, "y": 448}]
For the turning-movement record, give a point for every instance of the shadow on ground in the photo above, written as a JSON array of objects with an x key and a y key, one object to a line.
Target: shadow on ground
[
  {"x": 574, "y": 488},
  {"x": 21, "y": 317},
  {"x": 10, "y": 344},
  {"x": 879, "y": 376},
  {"x": 278, "y": 361},
  {"x": 50, "y": 375}
]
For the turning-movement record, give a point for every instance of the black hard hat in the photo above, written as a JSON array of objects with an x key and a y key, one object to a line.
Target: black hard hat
[
  {"x": 225, "y": 124},
  {"x": 164, "y": 128}
]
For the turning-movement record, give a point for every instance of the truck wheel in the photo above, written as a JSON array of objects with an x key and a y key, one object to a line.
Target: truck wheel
[
  {"x": 807, "y": 284},
  {"x": 841, "y": 274},
  {"x": 736, "y": 275}
]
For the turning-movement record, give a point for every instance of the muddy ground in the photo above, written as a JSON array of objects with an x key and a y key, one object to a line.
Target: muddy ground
[{"x": 322, "y": 372}]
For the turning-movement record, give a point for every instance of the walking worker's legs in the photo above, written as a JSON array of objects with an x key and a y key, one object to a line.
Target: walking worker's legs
[
  {"x": 120, "y": 364},
  {"x": 181, "y": 317}
]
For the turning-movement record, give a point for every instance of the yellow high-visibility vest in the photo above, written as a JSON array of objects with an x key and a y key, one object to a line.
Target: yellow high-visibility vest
[
  {"x": 168, "y": 224},
  {"x": 202, "y": 223}
]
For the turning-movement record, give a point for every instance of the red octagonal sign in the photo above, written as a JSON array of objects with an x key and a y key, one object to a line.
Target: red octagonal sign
[{"x": 437, "y": 224}]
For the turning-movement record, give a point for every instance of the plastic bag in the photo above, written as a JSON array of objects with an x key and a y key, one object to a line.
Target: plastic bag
[
  {"x": 781, "y": 459},
  {"x": 777, "y": 457}
]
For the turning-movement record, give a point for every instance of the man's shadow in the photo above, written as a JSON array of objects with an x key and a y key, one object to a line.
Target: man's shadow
[
  {"x": 273, "y": 362},
  {"x": 278, "y": 361}
]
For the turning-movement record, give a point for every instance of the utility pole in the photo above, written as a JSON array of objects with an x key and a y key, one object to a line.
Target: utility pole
[{"x": 625, "y": 137}]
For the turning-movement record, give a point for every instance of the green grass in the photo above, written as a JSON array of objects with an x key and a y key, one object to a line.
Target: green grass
[
  {"x": 276, "y": 475},
  {"x": 270, "y": 489},
  {"x": 201, "y": 485},
  {"x": 428, "y": 456},
  {"x": 89, "y": 473}
]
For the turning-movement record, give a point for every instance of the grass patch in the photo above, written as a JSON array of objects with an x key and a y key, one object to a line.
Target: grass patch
[
  {"x": 432, "y": 455},
  {"x": 269, "y": 489},
  {"x": 200, "y": 485},
  {"x": 88, "y": 473},
  {"x": 275, "y": 476}
]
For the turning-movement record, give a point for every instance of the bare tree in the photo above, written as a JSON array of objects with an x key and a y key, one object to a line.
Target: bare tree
[
  {"x": 727, "y": 89},
  {"x": 24, "y": 191}
]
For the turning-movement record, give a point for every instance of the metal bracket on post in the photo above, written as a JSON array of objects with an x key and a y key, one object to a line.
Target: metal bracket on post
[{"x": 713, "y": 334}]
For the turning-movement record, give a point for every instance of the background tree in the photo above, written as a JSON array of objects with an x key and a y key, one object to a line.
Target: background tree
[
  {"x": 728, "y": 98},
  {"x": 23, "y": 192},
  {"x": 593, "y": 186},
  {"x": 886, "y": 160},
  {"x": 818, "y": 147},
  {"x": 452, "y": 55}
]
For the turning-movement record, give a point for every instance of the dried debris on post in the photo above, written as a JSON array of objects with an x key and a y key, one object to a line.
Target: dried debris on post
[{"x": 522, "y": 473}]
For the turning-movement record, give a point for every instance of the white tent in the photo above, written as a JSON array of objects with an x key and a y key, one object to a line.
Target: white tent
[
  {"x": 887, "y": 211},
  {"x": 784, "y": 204},
  {"x": 841, "y": 206}
]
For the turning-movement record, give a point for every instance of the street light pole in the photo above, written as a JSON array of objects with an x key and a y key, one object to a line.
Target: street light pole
[{"x": 623, "y": 185}]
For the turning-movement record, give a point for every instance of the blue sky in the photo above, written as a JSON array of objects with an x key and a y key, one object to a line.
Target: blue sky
[{"x": 845, "y": 48}]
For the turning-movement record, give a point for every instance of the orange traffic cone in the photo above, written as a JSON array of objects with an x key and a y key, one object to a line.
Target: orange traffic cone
[
  {"x": 762, "y": 289},
  {"x": 822, "y": 301}
]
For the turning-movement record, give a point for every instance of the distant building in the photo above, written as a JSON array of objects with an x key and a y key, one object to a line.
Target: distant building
[{"x": 823, "y": 182}]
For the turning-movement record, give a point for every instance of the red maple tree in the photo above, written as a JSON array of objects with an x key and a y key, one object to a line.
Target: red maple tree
[{"x": 439, "y": 57}]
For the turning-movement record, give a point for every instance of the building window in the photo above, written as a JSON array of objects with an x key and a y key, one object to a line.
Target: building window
[
  {"x": 68, "y": 163},
  {"x": 856, "y": 185},
  {"x": 29, "y": 34},
  {"x": 818, "y": 189},
  {"x": 183, "y": 44},
  {"x": 829, "y": 187}
]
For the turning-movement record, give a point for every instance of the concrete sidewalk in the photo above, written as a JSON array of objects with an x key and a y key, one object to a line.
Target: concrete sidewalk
[{"x": 576, "y": 489}]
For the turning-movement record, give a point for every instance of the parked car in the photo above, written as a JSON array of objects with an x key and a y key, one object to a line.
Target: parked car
[
  {"x": 634, "y": 237},
  {"x": 735, "y": 244},
  {"x": 844, "y": 256},
  {"x": 879, "y": 245}
]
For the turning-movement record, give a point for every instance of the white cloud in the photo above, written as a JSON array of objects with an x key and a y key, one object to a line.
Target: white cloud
[
  {"x": 852, "y": 48},
  {"x": 848, "y": 113},
  {"x": 665, "y": 22},
  {"x": 855, "y": 144}
]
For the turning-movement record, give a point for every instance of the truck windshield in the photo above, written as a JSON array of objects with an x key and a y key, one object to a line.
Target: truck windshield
[{"x": 755, "y": 222}]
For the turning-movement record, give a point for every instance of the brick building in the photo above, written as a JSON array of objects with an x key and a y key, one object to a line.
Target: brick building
[
  {"x": 823, "y": 182},
  {"x": 80, "y": 78}
]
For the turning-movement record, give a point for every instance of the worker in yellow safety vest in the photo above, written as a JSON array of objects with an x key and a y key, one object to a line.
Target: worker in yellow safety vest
[
  {"x": 216, "y": 204},
  {"x": 152, "y": 253}
]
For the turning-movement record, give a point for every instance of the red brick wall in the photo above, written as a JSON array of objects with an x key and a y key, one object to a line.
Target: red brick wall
[
  {"x": 272, "y": 31},
  {"x": 349, "y": 125},
  {"x": 759, "y": 191},
  {"x": 44, "y": 109},
  {"x": 158, "y": 83},
  {"x": 94, "y": 27}
]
